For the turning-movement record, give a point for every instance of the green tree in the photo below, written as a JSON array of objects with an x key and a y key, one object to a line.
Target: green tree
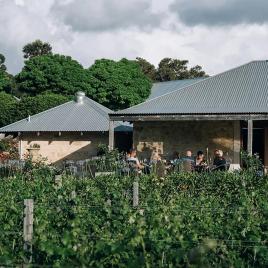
[
  {"x": 197, "y": 71},
  {"x": 29, "y": 105},
  {"x": 6, "y": 79},
  {"x": 36, "y": 48},
  {"x": 7, "y": 108},
  {"x": 172, "y": 69},
  {"x": 175, "y": 69},
  {"x": 147, "y": 68},
  {"x": 2, "y": 63},
  {"x": 54, "y": 73},
  {"x": 118, "y": 84}
]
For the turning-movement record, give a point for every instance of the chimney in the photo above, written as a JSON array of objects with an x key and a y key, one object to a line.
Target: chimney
[{"x": 79, "y": 97}]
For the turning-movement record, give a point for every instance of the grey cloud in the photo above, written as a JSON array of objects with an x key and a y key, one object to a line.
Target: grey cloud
[
  {"x": 102, "y": 15},
  {"x": 221, "y": 12}
]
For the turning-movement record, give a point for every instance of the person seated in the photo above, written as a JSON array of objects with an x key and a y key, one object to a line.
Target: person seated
[
  {"x": 187, "y": 162},
  {"x": 219, "y": 161},
  {"x": 134, "y": 162},
  {"x": 155, "y": 157},
  {"x": 200, "y": 163}
]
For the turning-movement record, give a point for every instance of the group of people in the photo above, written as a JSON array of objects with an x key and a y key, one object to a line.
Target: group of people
[
  {"x": 199, "y": 163},
  {"x": 188, "y": 162}
]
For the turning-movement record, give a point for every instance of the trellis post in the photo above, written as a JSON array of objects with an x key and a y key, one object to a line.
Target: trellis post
[
  {"x": 135, "y": 193},
  {"x": 28, "y": 227}
]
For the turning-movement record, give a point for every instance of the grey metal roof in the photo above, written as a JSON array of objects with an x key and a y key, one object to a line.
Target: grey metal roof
[
  {"x": 70, "y": 116},
  {"x": 161, "y": 88},
  {"x": 243, "y": 89}
]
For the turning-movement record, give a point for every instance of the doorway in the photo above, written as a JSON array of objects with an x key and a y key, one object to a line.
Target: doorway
[{"x": 258, "y": 143}]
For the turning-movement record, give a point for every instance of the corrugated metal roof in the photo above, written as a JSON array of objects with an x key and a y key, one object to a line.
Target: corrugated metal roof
[
  {"x": 243, "y": 89},
  {"x": 70, "y": 116},
  {"x": 161, "y": 88}
]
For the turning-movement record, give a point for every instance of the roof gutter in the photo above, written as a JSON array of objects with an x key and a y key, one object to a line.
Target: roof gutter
[{"x": 179, "y": 117}]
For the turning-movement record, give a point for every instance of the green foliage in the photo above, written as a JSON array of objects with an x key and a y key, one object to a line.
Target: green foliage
[
  {"x": 175, "y": 69},
  {"x": 7, "y": 106},
  {"x": 33, "y": 105},
  {"x": 170, "y": 69},
  {"x": 251, "y": 162},
  {"x": 2, "y": 63},
  {"x": 4, "y": 145},
  {"x": 12, "y": 110},
  {"x": 8, "y": 149},
  {"x": 118, "y": 85},
  {"x": 6, "y": 80},
  {"x": 36, "y": 48},
  {"x": 147, "y": 68},
  {"x": 54, "y": 73},
  {"x": 184, "y": 220}
]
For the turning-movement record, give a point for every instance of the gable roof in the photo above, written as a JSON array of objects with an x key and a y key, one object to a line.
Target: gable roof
[
  {"x": 243, "y": 89},
  {"x": 70, "y": 116},
  {"x": 161, "y": 88}
]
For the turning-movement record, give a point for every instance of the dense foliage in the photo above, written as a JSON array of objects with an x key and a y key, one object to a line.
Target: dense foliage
[
  {"x": 184, "y": 220},
  {"x": 36, "y": 48},
  {"x": 6, "y": 80},
  {"x": 7, "y": 112},
  {"x": 170, "y": 69},
  {"x": 118, "y": 84},
  {"x": 56, "y": 73},
  {"x": 12, "y": 109}
]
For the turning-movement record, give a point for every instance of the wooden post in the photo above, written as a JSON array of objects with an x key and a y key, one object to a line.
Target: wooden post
[
  {"x": 58, "y": 180},
  {"x": 28, "y": 227},
  {"x": 250, "y": 137},
  {"x": 111, "y": 135},
  {"x": 237, "y": 142},
  {"x": 20, "y": 149},
  {"x": 135, "y": 194},
  {"x": 109, "y": 202}
]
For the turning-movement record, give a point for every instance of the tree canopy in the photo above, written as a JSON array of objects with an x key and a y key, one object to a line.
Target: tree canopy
[
  {"x": 54, "y": 73},
  {"x": 2, "y": 63},
  {"x": 147, "y": 68},
  {"x": 36, "y": 48},
  {"x": 118, "y": 84},
  {"x": 170, "y": 69},
  {"x": 7, "y": 109},
  {"x": 6, "y": 80}
]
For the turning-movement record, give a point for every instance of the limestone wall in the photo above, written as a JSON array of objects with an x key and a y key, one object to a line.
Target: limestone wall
[
  {"x": 177, "y": 136},
  {"x": 70, "y": 145}
]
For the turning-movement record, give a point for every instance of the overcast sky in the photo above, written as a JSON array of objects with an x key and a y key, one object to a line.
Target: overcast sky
[{"x": 216, "y": 34}]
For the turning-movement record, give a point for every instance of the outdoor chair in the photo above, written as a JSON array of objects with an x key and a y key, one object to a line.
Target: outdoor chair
[
  {"x": 224, "y": 167},
  {"x": 186, "y": 165},
  {"x": 160, "y": 169}
]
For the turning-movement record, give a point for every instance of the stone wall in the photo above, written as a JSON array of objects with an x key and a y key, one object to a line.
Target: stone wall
[
  {"x": 177, "y": 136},
  {"x": 70, "y": 145}
]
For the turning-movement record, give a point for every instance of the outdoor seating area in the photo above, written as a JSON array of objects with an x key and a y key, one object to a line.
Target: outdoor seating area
[
  {"x": 129, "y": 164},
  {"x": 187, "y": 163}
]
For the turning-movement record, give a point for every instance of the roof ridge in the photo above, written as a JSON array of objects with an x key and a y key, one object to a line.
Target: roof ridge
[
  {"x": 183, "y": 88},
  {"x": 99, "y": 107},
  {"x": 177, "y": 80}
]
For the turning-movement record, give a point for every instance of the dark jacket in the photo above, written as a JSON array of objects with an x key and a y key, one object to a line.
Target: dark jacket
[{"x": 220, "y": 163}]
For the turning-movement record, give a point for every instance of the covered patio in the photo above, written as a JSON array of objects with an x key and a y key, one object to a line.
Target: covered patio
[{"x": 228, "y": 111}]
